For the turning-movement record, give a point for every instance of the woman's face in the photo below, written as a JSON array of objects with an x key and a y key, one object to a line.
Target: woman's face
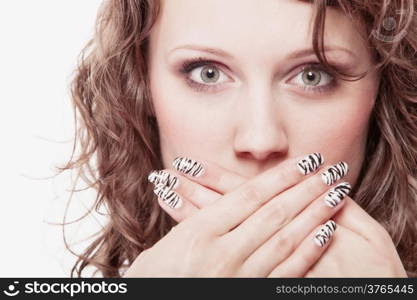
[{"x": 249, "y": 104}]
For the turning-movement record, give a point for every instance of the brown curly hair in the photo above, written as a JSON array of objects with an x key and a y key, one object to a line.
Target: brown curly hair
[{"x": 118, "y": 135}]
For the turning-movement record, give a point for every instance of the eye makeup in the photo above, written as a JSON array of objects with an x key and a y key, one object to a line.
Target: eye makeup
[
  {"x": 317, "y": 89},
  {"x": 191, "y": 64}
]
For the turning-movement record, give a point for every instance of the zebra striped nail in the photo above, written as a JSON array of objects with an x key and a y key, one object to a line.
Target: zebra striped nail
[
  {"x": 161, "y": 176},
  {"x": 188, "y": 166},
  {"x": 324, "y": 233},
  {"x": 334, "y": 173},
  {"x": 310, "y": 163},
  {"x": 168, "y": 196},
  {"x": 336, "y": 194}
]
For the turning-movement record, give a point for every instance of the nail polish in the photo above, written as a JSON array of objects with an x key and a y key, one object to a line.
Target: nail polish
[
  {"x": 168, "y": 196},
  {"x": 335, "y": 172},
  {"x": 188, "y": 166},
  {"x": 336, "y": 194},
  {"x": 310, "y": 163},
  {"x": 325, "y": 232},
  {"x": 161, "y": 176}
]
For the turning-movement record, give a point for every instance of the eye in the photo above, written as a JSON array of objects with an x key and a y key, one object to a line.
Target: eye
[
  {"x": 313, "y": 78},
  {"x": 202, "y": 74},
  {"x": 208, "y": 74}
]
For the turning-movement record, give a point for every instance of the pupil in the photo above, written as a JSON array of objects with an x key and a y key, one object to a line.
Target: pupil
[
  {"x": 310, "y": 76},
  {"x": 210, "y": 73}
]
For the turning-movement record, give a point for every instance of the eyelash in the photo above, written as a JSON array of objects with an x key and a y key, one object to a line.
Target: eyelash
[{"x": 194, "y": 63}]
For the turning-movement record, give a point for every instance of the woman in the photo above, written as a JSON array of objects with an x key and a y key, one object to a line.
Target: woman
[{"x": 260, "y": 130}]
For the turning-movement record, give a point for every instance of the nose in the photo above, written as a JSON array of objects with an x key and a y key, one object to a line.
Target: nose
[{"x": 260, "y": 131}]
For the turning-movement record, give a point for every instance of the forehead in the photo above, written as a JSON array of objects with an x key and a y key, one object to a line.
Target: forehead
[{"x": 247, "y": 26}]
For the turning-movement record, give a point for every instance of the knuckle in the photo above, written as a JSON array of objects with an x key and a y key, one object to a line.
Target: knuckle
[
  {"x": 249, "y": 193},
  {"x": 317, "y": 212},
  {"x": 275, "y": 214},
  {"x": 306, "y": 259},
  {"x": 284, "y": 243}
]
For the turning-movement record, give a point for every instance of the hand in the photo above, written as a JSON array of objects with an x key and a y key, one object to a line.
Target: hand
[
  {"x": 239, "y": 234},
  {"x": 232, "y": 236},
  {"x": 371, "y": 251}
]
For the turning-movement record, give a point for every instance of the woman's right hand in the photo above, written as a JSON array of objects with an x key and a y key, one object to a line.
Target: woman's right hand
[{"x": 260, "y": 229}]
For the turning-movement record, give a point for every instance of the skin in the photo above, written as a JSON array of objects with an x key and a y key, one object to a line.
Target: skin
[
  {"x": 361, "y": 247},
  {"x": 255, "y": 118},
  {"x": 257, "y": 114}
]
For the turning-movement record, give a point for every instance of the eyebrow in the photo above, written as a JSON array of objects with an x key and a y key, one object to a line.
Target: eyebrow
[{"x": 293, "y": 55}]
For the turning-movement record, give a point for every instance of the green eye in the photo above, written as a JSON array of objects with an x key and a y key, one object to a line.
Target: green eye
[
  {"x": 311, "y": 76},
  {"x": 209, "y": 74},
  {"x": 203, "y": 75}
]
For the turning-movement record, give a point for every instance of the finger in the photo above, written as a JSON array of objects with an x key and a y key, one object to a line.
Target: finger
[
  {"x": 309, "y": 252},
  {"x": 197, "y": 194},
  {"x": 176, "y": 206},
  {"x": 234, "y": 207},
  {"x": 208, "y": 174},
  {"x": 281, "y": 210},
  {"x": 359, "y": 221},
  {"x": 280, "y": 246}
]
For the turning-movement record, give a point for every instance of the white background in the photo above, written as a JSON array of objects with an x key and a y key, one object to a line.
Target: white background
[{"x": 39, "y": 45}]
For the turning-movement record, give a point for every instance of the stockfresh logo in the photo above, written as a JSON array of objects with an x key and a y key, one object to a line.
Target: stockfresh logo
[{"x": 11, "y": 290}]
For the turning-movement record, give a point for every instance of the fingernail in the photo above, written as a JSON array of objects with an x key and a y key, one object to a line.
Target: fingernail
[
  {"x": 163, "y": 177},
  {"x": 310, "y": 163},
  {"x": 324, "y": 233},
  {"x": 336, "y": 194},
  {"x": 334, "y": 173},
  {"x": 168, "y": 196},
  {"x": 188, "y": 166}
]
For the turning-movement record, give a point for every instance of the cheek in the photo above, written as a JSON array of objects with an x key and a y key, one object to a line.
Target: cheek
[
  {"x": 342, "y": 132},
  {"x": 188, "y": 124},
  {"x": 337, "y": 128},
  {"x": 339, "y": 137}
]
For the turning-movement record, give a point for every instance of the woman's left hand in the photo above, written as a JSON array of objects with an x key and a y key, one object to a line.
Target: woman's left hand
[{"x": 361, "y": 247}]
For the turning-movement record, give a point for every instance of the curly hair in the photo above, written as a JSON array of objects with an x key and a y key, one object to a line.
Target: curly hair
[{"x": 118, "y": 139}]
